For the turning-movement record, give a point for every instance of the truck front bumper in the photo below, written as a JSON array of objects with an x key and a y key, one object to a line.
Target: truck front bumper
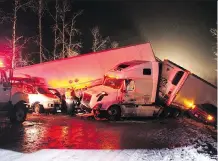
[
  {"x": 100, "y": 113},
  {"x": 96, "y": 111},
  {"x": 85, "y": 108}
]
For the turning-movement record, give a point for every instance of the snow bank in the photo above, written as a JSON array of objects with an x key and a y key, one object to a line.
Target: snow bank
[{"x": 177, "y": 154}]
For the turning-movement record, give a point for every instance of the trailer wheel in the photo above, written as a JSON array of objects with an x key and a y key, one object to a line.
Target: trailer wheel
[
  {"x": 165, "y": 113},
  {"x": 18, "y": 113},
  {"x": 71, "y": 109},
  {"x": 54, "y": 110},
  {"x": 114, "y": 113},
  {"x": 176, "y": 113}
]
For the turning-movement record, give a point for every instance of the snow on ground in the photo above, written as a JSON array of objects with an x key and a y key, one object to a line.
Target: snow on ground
[
  {"x": 204, "y": 140},
  {"x": 177, "y": 154}
]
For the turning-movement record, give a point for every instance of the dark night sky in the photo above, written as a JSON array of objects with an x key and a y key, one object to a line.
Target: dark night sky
[{"x": 179, "y": 30}]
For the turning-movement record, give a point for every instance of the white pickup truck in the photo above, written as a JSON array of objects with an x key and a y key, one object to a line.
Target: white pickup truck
[{"x": 41, "y": 99}]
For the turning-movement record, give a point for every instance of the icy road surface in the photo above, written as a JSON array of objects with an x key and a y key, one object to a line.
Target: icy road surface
[{"x": 40, "y": 137}]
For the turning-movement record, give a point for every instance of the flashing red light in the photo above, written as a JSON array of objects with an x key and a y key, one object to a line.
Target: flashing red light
[
  {"x": 2, "y": 65},
  {"x": 4, "y": 62}
]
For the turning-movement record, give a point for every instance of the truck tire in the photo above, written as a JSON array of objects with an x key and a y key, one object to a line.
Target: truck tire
[
  {"x": 18, "y": 113},
  {"x": 165, "y": 113},
  {"x": 38, "y": 108},
  {"x": 71, "y": 110},
  {"x": 96, "y": 115},
  {"x": 54, "y": 111},
  {"x": 176, "y": 113},
  {"x": 114, "y": 113}
]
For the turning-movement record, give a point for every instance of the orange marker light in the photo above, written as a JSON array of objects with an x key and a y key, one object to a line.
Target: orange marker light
[
  {"x": 193, "y": 107},
  {"x": 209, "y": 117}
]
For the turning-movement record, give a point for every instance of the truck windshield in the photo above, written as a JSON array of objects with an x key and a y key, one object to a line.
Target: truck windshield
[
  {"x": 43, "y": 90},
  {"x": 113, "y": 83}
]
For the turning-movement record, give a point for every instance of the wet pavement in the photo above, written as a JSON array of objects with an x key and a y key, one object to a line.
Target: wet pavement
[{"x": 65, "y": 132}]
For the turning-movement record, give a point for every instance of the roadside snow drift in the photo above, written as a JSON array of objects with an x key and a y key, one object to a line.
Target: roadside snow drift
[{"x": 177, "y": 154}]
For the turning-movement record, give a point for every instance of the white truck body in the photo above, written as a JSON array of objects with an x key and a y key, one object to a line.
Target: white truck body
[{"x": 131, "y": 86}]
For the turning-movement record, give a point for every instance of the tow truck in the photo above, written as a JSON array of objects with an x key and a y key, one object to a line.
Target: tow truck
[{"x": 13, "y": 101}]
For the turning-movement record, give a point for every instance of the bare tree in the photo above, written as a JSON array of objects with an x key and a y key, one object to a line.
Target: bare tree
[
  {"x": 40, "y": 29},
  {"x": 214, "y": 34},
  {"x": 114, "y": 44},
  {"x": 64, "y": 34},
  {"x": 1, "y": 16},
  {"x": 72, "y": 45},
  {"x": 18, "y": 4},
  {"x": 62, "y": 13},
  {"x": 55, "y": 29},
  {"x": 4, "y": 17},
  {"x": 214, "y": 48},
  {"x": 20, "y": 58},
  {"x": 100, "y": 43},
  {"x": 38, "y": 6}
]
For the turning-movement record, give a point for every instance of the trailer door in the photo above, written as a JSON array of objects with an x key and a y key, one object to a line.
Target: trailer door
[{"x": 172, "y": 78}]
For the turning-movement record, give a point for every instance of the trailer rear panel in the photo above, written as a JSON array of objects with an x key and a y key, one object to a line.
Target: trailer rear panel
[{"x": 195, "y": 91}]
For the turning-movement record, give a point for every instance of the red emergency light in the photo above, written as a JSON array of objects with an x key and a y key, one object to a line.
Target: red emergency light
[{"x": 4, "y": 63}]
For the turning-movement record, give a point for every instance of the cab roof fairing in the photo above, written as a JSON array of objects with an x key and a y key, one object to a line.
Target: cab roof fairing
[
  {"x": 128, "y": 64},
  {"x": 131, "y": 71}
]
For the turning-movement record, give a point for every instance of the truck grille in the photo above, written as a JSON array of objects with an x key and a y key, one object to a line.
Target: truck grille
[{"x": 86, "y": 97}]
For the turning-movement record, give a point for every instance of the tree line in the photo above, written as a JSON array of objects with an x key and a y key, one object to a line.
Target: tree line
[{"x": 65, "y": 43}]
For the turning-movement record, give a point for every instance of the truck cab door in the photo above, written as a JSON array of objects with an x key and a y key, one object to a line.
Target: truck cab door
[
  {"x": 4, "y": 92},
  {"x": 129, "y": 100}
]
